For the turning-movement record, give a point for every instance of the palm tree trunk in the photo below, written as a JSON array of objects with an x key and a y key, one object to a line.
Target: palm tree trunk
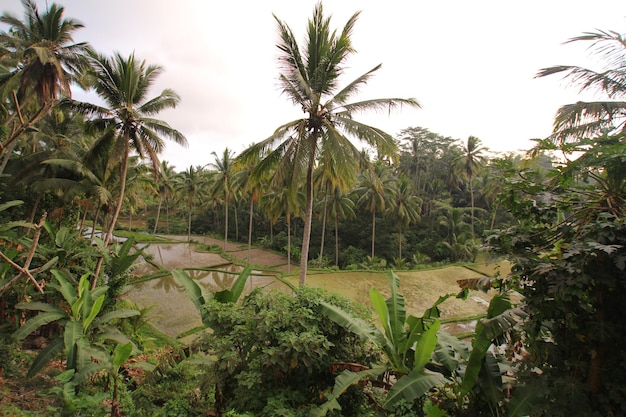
[
  {"x": 471, "y": 187},
  {"x": 250, "y": 226},
  {"x": 323, "y": 231},
  {"x": 116, "y": 213},
  {"x": 306, "y": 233},
  {"x": 373, "y": 231},
  {"x": 236, "y": 223},
  {"x": 156, "y": 222},
  {"x": 336, "y": 242},
  {"x": 288, "y": 242},
  {"x": 225, "y": 223}
]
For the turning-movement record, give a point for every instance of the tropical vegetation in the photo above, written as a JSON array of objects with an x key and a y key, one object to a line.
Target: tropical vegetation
[{"x": 81, "y": 184}]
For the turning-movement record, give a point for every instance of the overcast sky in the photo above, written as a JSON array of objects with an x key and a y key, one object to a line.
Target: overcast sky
[{"x": 471, "y": 64}]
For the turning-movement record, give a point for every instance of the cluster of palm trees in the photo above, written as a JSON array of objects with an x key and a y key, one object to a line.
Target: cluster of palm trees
[{"x": 94, "y": 156}]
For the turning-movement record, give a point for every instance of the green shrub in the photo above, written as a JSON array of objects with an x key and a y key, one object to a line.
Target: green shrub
[{"x": 274, "y": 352}]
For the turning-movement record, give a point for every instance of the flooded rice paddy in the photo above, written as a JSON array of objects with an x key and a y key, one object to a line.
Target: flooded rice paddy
[{"x": 173, "y": 313}]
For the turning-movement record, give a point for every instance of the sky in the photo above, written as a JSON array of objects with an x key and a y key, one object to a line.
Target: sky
[{"x": 470, "y": 64}]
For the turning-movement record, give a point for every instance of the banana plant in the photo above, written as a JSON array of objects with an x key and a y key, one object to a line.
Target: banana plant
[
  {"x": 84, "y": 328},
  {"x": 200, "y": 296},
  {"x": 406, "y": 341}
]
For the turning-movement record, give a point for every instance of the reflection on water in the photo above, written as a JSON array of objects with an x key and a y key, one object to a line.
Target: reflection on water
[{"x": 173, "y": 311}]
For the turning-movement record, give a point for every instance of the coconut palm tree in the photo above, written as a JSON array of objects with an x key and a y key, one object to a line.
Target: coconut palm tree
[
  {"x": 123, "y": 84},
  {"x": 310, "y": 79},
  {"x": 189, "y": 185},
  {"x": 43, "y": 60},
  {"x": 404, "y": 207},
  {"x": 594, "y": 118},
  {"x": 373, "y": 193},
  {"x": 164, "y": 187},
  {"x": 340, "y": 206},
  {"x": 468, "y": 166},
  {"x": 224, "y": 185}
]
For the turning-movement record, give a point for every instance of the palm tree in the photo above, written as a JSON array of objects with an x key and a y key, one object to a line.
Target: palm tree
[
  {"x": 45, "y": 60},
  {"x": 404, "y": 207},
  {"x": 340, "y": 206},
  {"x": 189, "y": 184},
  {"x": 310, "y": 78},
  {"x": 469, "y": 164},
  {"x": 224, "y": 185},
  {"x": 123, "y": 83},
  {"x": 164, "y": 187},
  {"x": 373, "y": 193},
  {"x": 595, "y": 118}
]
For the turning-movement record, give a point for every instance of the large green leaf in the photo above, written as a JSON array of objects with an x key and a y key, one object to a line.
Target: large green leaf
[
  {"x": 356, "y": 325},
  {"x": 88, "y": 371},
  {"x": 121, "y": 354},
  {"x": 65, "y": 288},
  {"x": 412, "y": 386},
  {"x": 232, "y": 295},
  {"x": 113, "y": 315},
  {"x": 95, "y": 310},
  {"x": 191, "y": 287},
  {"x": 38, "y": 306},
  {"x": 426, "y": 346},
  {"x": 36, "y": 322},
  {"x": 46, "y": 355},
  {"x": 450, "y": 350},
  {"x": 486, "y": 331},
  {"x": 396, "y": 309},
  {"x": 342, "y": 382},
  {"x": 73, "y": 331}
]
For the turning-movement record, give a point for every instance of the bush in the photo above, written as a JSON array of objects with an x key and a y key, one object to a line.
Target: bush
[{"x": 276, "y": 349}]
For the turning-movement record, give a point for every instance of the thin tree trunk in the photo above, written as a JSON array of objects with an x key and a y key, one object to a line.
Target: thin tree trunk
[
  {"x": 373, "y": 231},
  {"x": 471, "y": 187},
  {"x": 250, "y": 226},
  {"x": 156, "y": 222},
  {"x": 336, "y": 242},
  {"x": 306, "y": 233},
  {"x": 323, "y": 231},
  {"x": 225, "y": 223},
  {"x": 288, "y": 243},
  {"x": 400, "y": 243},
  {"x": 236, "y": 223},
  {"x": 116, "y": 213},
  {"x": 95, "y": 222}
]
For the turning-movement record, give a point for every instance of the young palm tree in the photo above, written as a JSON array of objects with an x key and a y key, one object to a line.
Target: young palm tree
[
  {"x": 44, "y": 61},
  {"x": 595, "y": 118},
  {"x": 310, "y": 78}
]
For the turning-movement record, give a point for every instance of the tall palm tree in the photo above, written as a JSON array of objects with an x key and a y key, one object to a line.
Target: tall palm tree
[
  {"x": 164, "y": 188},
  {"x": 594, "y": 118},
  {"x": 224, "y": 185},
  {"x": 189, "y": 185},
  {"x": 310, "y": 78},
  {"x": 340, "y": 206},
  {"x": 404, "y": 207},
  {"x": 469, "y": 164},
  {"x": 373, "y": 193},
  {"x": 123, "y": 84},
  {"x": 44, "y": 59}
]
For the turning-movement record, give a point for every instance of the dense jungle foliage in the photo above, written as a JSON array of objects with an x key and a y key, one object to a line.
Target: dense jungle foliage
[{"x": 71, "y": 344}]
